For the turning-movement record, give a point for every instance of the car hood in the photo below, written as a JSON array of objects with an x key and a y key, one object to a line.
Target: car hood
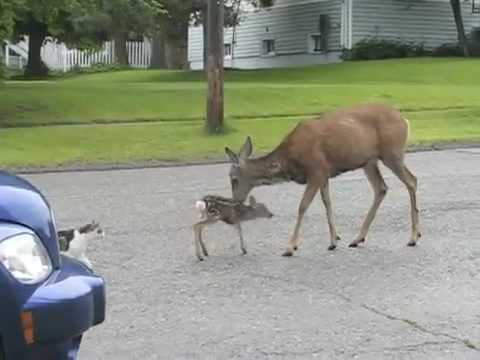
[{"x": 22, "y": 203}]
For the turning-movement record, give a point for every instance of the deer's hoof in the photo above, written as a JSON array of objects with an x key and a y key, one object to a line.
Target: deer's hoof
[
  {"x": 244, "y": 251},
  {"x": 332, "y": 247},
  {"x": 287, "y": 253},
  {"x": 295, "y": 248},
  {"x": 339, "y": 238},
  {"x": 200, "y": 259},
  {"x": 412, "y": 243}
]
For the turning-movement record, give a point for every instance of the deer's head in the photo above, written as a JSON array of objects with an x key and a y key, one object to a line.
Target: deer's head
[{"x": 241, "y": 178}]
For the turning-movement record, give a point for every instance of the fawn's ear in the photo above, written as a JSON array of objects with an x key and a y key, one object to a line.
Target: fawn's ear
[
  {"x": 252, "y": 201},
  {"x": 231, "y": 155},
  {"x": 246, "y": 149}
]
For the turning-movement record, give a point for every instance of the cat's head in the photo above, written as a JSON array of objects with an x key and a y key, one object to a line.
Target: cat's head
[{"x": 91, "y": 230}]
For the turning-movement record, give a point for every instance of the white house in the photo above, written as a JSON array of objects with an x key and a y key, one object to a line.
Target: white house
[{"x": 304, "y": 32}]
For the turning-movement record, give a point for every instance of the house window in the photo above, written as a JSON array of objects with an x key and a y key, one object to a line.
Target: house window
[
  {"x": 227, "y": 50},
  {"x": 268, "y": 47},
  {"x": 315, "y": 43}
]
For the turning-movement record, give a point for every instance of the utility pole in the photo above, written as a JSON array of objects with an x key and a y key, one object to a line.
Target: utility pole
[
  {"x": 215, "y": 73},
  {"x": 457, "y": 14}
]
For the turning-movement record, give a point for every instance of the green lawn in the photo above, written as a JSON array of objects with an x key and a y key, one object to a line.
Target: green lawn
[{"x": 158, "y": 114}]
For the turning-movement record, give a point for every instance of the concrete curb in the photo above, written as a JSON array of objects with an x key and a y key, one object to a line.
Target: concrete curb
[{"x": 152, "y": 164}]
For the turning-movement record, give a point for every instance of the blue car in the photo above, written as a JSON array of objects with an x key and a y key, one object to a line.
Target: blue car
[{"x": 47, "y": 300}]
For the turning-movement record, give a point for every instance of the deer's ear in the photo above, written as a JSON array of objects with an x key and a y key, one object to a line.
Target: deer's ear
[
  {"x": 246, "y": 149},
  {"x": 231, "y": 155},
  {"x": 252, "y": 201}
]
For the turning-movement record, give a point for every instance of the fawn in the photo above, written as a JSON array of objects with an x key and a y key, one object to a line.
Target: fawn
[{"x": 216, "y": 208}]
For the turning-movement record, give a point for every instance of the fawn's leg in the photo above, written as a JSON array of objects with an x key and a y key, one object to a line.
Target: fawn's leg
[
  {"x": 198, "y": 241},
  {"x": 242, "y": 242}
]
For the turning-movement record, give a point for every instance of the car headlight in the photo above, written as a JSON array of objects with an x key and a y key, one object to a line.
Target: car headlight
[{"x": 26, "y": 258}]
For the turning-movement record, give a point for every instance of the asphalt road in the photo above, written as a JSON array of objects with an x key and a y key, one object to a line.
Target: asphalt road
[{"x": 381, "y": 301}]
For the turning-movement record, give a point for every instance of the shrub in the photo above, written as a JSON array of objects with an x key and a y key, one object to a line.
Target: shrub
[
  {"x": 448, "y": 49},
  {"x": 97, "y": 68},
  {"x": 454, "y": 49},
  {"x": 375, "y": 49}
]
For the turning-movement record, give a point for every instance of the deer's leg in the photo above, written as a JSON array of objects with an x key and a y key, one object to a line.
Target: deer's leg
[
  {"x": 400, "y": 170},
  {"x": 198, "y": 241},
  {"x": 325, "y": 191},
  {"x": 308, "y": 196},
  {"x": 380, "y": 190},
  {"x": 240, "y": 235}
]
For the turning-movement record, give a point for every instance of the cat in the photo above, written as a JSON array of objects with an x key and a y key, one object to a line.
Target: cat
[{"x": 74, "y": 242}]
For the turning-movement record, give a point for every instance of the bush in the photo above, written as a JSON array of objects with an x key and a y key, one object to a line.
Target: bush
[
  {"x": 454, "y": 49},
  {"x": 376, "y": 49},
  {"x": 448, "y": 49},
  {"x": 97, "y": 68}
]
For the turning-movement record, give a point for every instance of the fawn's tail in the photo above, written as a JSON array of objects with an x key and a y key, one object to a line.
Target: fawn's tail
[
  {"x": 201, "y": 205},
  {"x": 202, "y": 208}
]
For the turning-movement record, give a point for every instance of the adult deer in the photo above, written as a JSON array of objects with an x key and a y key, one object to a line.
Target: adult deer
[{"x": 319, "y": 149}]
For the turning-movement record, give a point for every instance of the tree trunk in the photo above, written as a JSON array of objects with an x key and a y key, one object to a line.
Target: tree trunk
[
  {"x": 215, "y": 111},
  {"x": 176, "y": 54},
  {"x": 157, "y": 60},
  {"x": 457, "y": 14},
  {"x": 36, "y": 37},
  {"x": 121, "y": 53}
]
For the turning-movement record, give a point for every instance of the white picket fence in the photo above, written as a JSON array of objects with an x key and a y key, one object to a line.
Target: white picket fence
[{"x": 58, "y": 57}]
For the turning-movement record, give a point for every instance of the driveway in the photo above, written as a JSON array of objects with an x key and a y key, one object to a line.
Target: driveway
[{"x": 381, "y": 301}]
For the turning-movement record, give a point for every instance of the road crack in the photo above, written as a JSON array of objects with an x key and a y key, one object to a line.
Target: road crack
[
  {"x": 467, "y": 342},
  {"x": 410, "y": 347},
  {"x": 421, "y": 328},
  {"x": 290, "y": 353}
]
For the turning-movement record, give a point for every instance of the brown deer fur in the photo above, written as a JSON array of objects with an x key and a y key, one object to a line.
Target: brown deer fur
[{"x": 319, "y": 149}]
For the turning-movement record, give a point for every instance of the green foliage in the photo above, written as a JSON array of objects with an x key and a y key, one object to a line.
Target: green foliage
[
  {"x": 454, "y": 49},
  {"x": 94, "y": 69},
  {"x": 7, "y": 15},
  {"x": 139, "y": 17},
  {"x": 60, "y": 18},
  {"x": 376, "y": 49}
]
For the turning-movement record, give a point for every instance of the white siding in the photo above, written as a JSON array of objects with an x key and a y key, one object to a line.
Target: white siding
[
  {"x": 430, "y": 22},
  {"x": 288, "y": 23}
]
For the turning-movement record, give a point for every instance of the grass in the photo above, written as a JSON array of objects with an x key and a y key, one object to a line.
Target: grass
[
  {"x": 158, "y": 114},
  {"x": 62, "y": 145}
]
